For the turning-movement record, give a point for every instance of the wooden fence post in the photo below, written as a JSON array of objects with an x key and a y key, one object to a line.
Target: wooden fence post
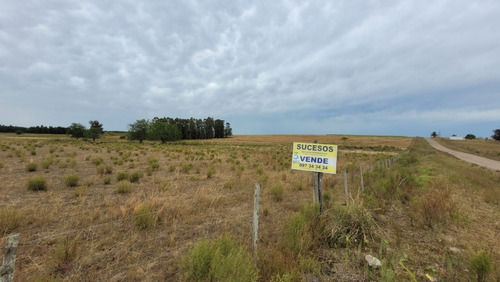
[
  {"x": 318, "y": 194},
  {"x": 362, "y": 183},
  {"x": 9, "y": 259},
  {"x": 345, "y": 187},
  {"x": 255, "y": 223}
]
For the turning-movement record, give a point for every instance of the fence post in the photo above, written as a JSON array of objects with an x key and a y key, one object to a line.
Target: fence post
[
  {"x": 9, "y": 259},
  {"x": 255, "y": 223},
  {"x": 346, "y": 189},
  {"x": 362, "y": 183},
  {"x": 318, "y": 194}
]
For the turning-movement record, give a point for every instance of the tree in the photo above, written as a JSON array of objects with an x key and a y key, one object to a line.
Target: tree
[
  {"x": 219, "y": 128},
  {"x": 227, "y": 130},
  {"x": 164, "y": 131},
  {"x": 76, "y": 130},
  {"x": 496, "y": 134},
  {"x": 95, "y": 131},
  {"x": 434, "y": 134},
  {"x": 138, "y": 130},
  {"x": 470, "y": 136}
]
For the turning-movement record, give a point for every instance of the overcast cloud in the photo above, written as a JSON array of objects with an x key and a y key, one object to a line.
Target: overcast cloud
[{"x": 267, "y": 67}]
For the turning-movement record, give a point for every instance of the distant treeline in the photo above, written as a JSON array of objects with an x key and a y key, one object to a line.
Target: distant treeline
[
  {"x": 199, "y": 129},
  {"x": 33, "y": 129}
]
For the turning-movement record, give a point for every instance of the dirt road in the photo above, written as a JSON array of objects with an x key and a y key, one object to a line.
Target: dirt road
[{"x": 480, "y": 161}]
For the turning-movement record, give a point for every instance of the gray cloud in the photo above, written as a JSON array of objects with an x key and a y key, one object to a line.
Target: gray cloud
[{"x": 279, "y": 67}]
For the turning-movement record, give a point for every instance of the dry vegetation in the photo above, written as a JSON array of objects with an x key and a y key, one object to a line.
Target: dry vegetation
[
  {"x": 115, "y": 210},
  {"x": 488, "y": 148}
]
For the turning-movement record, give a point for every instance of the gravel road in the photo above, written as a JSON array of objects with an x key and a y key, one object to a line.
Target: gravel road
[{"x": 480, "y": 161}]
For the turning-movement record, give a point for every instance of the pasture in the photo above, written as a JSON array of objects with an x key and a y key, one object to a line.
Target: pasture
[{"x": 115, "y": 210}]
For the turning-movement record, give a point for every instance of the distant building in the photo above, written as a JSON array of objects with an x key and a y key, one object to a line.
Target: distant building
[{"x": 456, "y": 138}]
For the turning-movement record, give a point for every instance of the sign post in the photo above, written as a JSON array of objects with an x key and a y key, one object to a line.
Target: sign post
[{"x": 318, "y": 158}]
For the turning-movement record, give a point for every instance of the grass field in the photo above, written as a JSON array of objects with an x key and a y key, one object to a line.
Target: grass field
[
  {"x": 487, "y": 148},
  {"x": 115, "y": 210}
]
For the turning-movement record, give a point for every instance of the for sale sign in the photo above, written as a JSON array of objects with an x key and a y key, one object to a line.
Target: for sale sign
[{"x": 315, "y": 157}]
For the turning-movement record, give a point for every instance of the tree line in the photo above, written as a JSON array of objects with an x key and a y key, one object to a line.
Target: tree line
[
  {"x": 33, "y": 129},
  {"x": 172, "y": 129}
]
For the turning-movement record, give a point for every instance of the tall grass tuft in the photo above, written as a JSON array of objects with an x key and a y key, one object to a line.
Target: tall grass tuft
[
  {"x": 480, "y": 264},
  {"x": 145, "y": 217},
  {"x": 10, "y": 219},
  {"x": 121, "y": 175},
  {"x": 31, "y": 167},
  {"x": 123, "y": 187},
  {"x": 219, "y": 259},
  {"x": 303, "y": 229},
  {"x": 37, "y": 183},
  {"x": 71, "y": 180},
  {"x": 277, "y": 193}
]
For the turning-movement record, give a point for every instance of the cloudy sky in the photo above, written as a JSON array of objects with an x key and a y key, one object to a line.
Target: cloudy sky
[{"x": 268, "y": 67}]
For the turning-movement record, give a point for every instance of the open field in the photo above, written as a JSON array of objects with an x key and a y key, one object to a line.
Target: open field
[
  {"x": 115, "y": 210},
  {"x": 485, "y": 148}
]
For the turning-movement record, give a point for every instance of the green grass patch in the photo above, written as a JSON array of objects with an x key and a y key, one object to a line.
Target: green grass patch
[
  {"x": 71, "y": 180},
  {"x": 37, "y": 183}
]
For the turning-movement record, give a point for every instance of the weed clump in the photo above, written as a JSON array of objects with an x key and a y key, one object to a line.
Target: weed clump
[
  {"x": 37, "y": 183},
  {"x": 220, "y": 259},
  {"x": 480, "y": 264},
  {"x": 124, "y": 187},
  {"x": 31, "y": 167},
  {"x": 97, "y": 161},
  {"x": 71, "y": 180},
  {"x": 10, "y": 219},
  {"x": 145, "y": 217},
  {"x": 104, "y": 169},
  {"x": 121, "y": 175},
  {"x": 135, "y": 176},
  {"x": 303, "y": 229},
  {"x": 349, "y": 224},
  {"x": 277, "y": 193}
]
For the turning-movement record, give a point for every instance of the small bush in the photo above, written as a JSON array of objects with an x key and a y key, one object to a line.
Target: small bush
[
  {"x": 37, "y": 183},
  {"x": 135, "y": 176},
  {"x": 210, "y": 172},
  {"x": 277, "y": 193},
  {"x": 480, "y": 265},
  {"x": 218, "y": 260},
  {"x": 10, "y": 219},
  {"x": 71, "y": 180},
  {"x": 121, "y": 175},
  {"x": 349, "y": 224},
  {"x": 104, "y": 169},
  {"x": 303, "y": 229},
  {"x": 47, "y": 162},
  {"x": 124, "y": 187},
  {"x": 97, "y": 161},
  {"x": 31, "y": 167},
  {"x": 187, "y": 167},
  {"x": 145, "y": 217},
  {"x": 106, "y": 180}
]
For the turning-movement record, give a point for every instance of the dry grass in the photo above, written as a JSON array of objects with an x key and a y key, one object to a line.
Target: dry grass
[
  {"x": 202, "y": 189},
  {"x": 485, "y": 148}
]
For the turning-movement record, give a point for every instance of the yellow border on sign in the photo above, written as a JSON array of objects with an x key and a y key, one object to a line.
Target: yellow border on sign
[{"x": 315, "y": 157}]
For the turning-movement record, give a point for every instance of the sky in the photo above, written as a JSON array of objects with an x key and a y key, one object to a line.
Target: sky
[{"x": 267, "y": 67}]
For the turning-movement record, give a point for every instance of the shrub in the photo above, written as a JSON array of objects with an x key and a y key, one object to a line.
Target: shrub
[
  {"x": 135, "y": 176},
  {"x": 145, "y": 217},
  {"x": 123, "y": 187},
  {"x": 106, "y": 180},
  {"x": 187, "y": 167},
  {"x": 31, "y": 167},
  {"x": 218, "y": 260},
  {"x": 303, "y": 229},
  {"x": 277, "y": 193},
  {"x": 71, "y": 180},
  {"x": 37, "y": 183},
  {"x": 104, "y": 169},
  {"x": 346, "y": 224},
  {"x": 47, "y": 162},
  {"x": 210, "y": 172},
  {"x": 480, "y": 265},
  {"x": 121, "y": 175},
  {"x": 97, "y": 160},
  {"x": 10, "y": 219}
]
